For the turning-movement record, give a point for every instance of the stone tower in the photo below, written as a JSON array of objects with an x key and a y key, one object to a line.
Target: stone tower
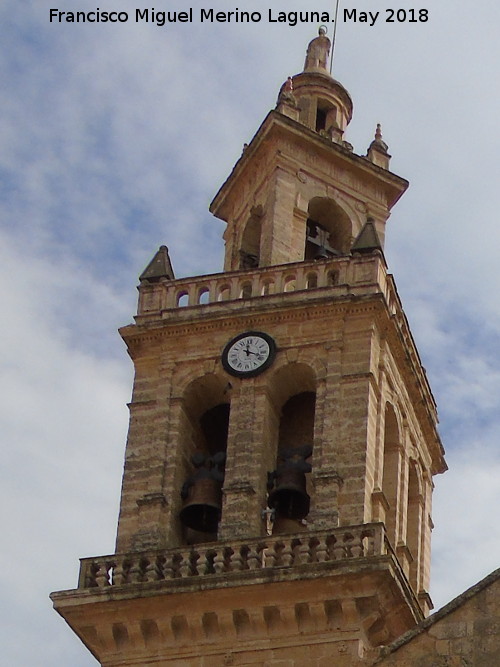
[{"x": 276, "y": 498}]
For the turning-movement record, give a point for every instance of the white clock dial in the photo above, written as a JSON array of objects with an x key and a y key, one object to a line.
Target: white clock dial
[{"x": 248, "y": 354}]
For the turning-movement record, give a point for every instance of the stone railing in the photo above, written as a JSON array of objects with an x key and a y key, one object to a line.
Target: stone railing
[
  {"x": 343, "y": 275},
  {"x": 221, "y": 558}
]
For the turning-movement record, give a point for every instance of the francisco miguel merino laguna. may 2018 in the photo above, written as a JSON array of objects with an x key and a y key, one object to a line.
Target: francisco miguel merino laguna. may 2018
[{"x": 161, "y": 18}]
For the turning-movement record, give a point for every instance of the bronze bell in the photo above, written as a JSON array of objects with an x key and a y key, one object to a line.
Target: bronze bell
[
  {"x": 322, "y": 253},
  {"x": 202, "y": 494},
  {"x": 287, "y": 484},
  {"x": 202, "y": 506}
]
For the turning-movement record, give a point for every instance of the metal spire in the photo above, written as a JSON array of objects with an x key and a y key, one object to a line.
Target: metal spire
[{"x": 334, "y": 33}]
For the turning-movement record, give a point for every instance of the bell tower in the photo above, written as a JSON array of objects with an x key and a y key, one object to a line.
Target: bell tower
[{"x": 276, "y": 497}]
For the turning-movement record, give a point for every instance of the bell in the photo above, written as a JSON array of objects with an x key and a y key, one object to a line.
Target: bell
[
  {"x": 289, "y": 497},
  {"x": 322, "y": 253},
  {"x": 202, "y": 504}
]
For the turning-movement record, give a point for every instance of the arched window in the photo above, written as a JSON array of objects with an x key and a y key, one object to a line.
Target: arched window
[
  {"x": 267, "y": 288},
  {"x": 246, "y": 291},
  {"x": 333, "y": 278},
  {"x": 203, "y": 296},
  {"x": 182, "y": 299},
  {"x": 224, "y": 293},
  {"x": 311, "y": 280}
]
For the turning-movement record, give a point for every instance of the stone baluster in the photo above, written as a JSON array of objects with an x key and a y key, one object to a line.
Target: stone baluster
[
  {"x": 151, "y": 571},
  {"x": 254, "y": 557},
  {"x": 287, "y": 554},
  {"x": 120, "y": 573},
  {"x": 236, "y": 559},
  {"x": 134, "y": 573},
  {"x": 339, "y": 550},
  {"x": 101, "y": 575},
  {"x": 321, "y": 551},
  {"x": 303, "y": 552},
  {"x": 184, "y": 567},
  {"x": 219, "y": 561},
  {"x": 169, "y": 567},
  {"x": 200, "y": 562},
  {"x": 356, "y": 548},
  {"x": 269, "y": 555}
]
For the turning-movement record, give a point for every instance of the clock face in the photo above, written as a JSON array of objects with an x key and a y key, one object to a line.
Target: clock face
[{"x": 249, "y": 354}]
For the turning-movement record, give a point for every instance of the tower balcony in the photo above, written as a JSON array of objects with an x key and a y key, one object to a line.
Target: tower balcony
[
  {"x": 344, "y": 578},
  {"x": 335, "y": 277}
]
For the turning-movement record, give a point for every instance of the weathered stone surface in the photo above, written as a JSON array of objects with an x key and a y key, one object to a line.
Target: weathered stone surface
[
  {"x": 284, "y": 589},
  {"x": 466, "y": 632}
]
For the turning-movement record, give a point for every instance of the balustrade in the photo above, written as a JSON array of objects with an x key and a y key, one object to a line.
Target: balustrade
[
  {"x": 343, "y": 274},
  {"x": 266, "y": 553}
]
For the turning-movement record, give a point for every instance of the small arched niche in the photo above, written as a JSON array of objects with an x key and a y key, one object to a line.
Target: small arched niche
[
  {"x": 250, "y": 240},
  {"x": 204, "y": 428},
  {"x": 329, "y": 229}
]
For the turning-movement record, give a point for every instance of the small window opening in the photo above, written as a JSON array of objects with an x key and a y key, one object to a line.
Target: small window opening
[
  {"x": 320, "y": 119},
  {"x": 183, "y": 300},
  {"x": 267, "y": 288},
  {"x": 312, "y": 280},
  {"x": 246, "y": 291},
  {"x": 224, "y": 293},
  {"x": 203, "y": 296}
]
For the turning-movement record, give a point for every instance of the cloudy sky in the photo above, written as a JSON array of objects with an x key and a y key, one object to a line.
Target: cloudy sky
[{"x": 113, "y": 140}]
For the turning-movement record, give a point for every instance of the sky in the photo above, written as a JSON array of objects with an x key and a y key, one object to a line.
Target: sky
[{"x": 113, "y": 140}]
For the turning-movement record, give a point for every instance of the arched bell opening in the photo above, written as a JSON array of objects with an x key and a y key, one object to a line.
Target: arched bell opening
[
  {"x": 289, "y": 495},
  {"x": 391, "y": 474},
  {"x": 204, "y": 456},
  {"x": 414, "y": 523},
  {"x": 250, "y": 241},
  {"x": 329, "y": 230}
]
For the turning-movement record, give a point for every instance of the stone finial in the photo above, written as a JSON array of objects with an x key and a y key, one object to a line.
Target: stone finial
[
  {"x": 318, "y": 52},
  {"x": 367, "y": 240},
  {"x": 287, "y": 104},
  {"x": 378, "y": 141},
  {"x": 286, "y": 92},
  {"x": 159, "y": 267},
  {"x": 377, "y": 150}
]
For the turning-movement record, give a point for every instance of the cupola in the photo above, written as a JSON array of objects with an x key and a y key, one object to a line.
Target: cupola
[{"x": 324, "y": 105}]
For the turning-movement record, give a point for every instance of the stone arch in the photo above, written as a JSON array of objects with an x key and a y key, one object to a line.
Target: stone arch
[
  {"x": 329, "y": 229},
  {"x": 391, "y": 471},
  {"x": 293, "y": 393},
  {"x": 203, "y": 432},
  {"x": 250, "y": 240},
  {"x": 414, "y": 520}
]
